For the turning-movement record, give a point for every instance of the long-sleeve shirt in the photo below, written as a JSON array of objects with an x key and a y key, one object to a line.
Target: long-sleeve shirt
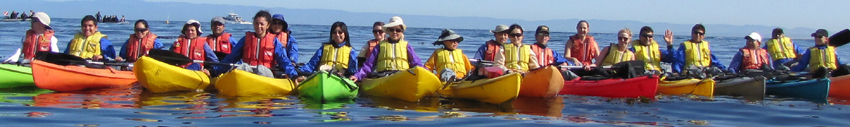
[
  {"x": 803, "y": 64},
  {"x": 679, "y": 65},
  {"x": 369, "y": 65},
  {"x": 123, "y": 53},
  {"x": 209, "y": 55},
  {"x": 291, "y": 49},
  {"x": 15, "y": 57},
  {"x": 738, "y": 59},
  {"x": 279, "y": 57},
  {"x": 106, "y": 48},
  {"x": 313, "y": 64}
]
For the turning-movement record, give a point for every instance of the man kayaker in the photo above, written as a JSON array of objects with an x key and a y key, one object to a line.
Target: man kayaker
[
  {"x": 517, "y": 57},
  {"x": 139, "y": 43},
  {"x": 392, "y": 54},
  {"x": 750, "y": 56},
  {"x": 219, "y": 40},
  {"x": 90, "y": 43},
  {"x": 449, "y": 61},
  {"x": 822, "y": 55},
  {"x": 647, "y": 50},
  {"x": 581, "y": 48},
  {"x": 781, "y": 48},
  {"x": 280, "y": 29},
  {"x": 695, "y": 52},
  {"x": 189, "y": 44},
  {"x": 545, "y": 55},
  {"x": 492, "y": 47},
  {"x": 261, "y": 48},
  {"x": 39, "y": 38},
  {"x": 619, "y": 52},
  {"x": 378, "y": 32},
  {"x": 336, "y": 55}
]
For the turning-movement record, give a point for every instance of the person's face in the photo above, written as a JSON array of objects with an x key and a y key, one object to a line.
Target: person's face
[
  {"x": 277, "y": 26},
  {"x": 338, "y": 35},
  {"x": 395, "y": 32},
  {"x": 35, "y": 24},
  {"x": 261, "y": 26},
  {"x": 820, "y": 40},
  {"x": 191, "y": 32},
  {"x": 516, "y": 36},
  {"x": 450, "y": 44},
  {"x": 697, "y": 35},
  {"x": 646, "y": 38},
  {"x": 378, "y": 32},
  {"x": 752, "y": 43},
  {"x": 542, "y": 37},
  {"x": 778, "y": 35},
  {"x": 582, "y": 28},
  {"x": 88, "y": 28},
  {"x": 141, "y": 30},
  {"x": 623, "y": 38},
  {"x": 217, "y": 28},
  {"x": 501, "y": 37}
]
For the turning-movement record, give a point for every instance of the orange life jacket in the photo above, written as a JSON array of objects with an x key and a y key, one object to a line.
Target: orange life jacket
[
  {"x": 584, "y": 50},
  {"x": 193, "y": 50},
  {"x": 372, "y": 43},
  {"x": 753, "y": 59},
  {"x": 258, "y": 51},
  {"x": 492, "y": 48},
  {"x": 137, "y": 47},
  {"x": 544, "y": 55},
  {"x": 283, "y": 38},
  {"x": 220, "y": 43},
  {"x": 36, "y": 43}
]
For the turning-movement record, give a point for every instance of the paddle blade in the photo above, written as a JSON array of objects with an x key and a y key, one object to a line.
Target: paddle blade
[
  {"x": 840, "y": 38},
  {"x": 59, "y": 58},
  {"x": 169, "y": 57}
]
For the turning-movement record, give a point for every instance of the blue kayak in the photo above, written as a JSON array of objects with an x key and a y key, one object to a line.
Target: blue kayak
[{"x": 815, "y": 90}]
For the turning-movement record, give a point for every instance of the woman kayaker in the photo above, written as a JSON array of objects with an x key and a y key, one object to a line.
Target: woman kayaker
[
  {"x": 189, "y": 44},
  {"x": 139, "y": 43},
  {"x": 782, "y": 49},
  {"x": 378, "y": 32},
  {"x": 280, "y": 29},
  {"x": 261, "y": 49},
  {"x": 616, "y": 53},
  {"x": 647, "y": 50},
  {"x": 822, "y": 55},
  {"x": 545, "y": 55},
  {"x": 517, "y": 57},
  {"x": 750, "y": 56},
  {"x": 39, "y": 38},
  {"x": 390, "y": 55},
  {"x": 90, "y": 43},
  {"x": 336, "y": 55},
  {"x": 696, "y": 53},
  {"x": 581, "y": 47},
  {"x": 449, "y": 61}
]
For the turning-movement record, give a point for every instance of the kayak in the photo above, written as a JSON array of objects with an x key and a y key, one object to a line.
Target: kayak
[
  {"x": 493, "y": 90},
  {"x": 748, "y": 87},
  {"x": 644, "y": 86},
  {"x": 15, "y": 76},
  {"x": 242, "y": 83},
  {"x": 409, "y": 85},
  {"x": 840, "y": 86},
  {"x": 814, "y": 90},
  {"x": 542, "y": 82},
  {"x": 159, "y": 77},
  {"x": 74, "y": 77},
  {"x": 693, "y": 86},
  {"x": 325, "y": 87}
]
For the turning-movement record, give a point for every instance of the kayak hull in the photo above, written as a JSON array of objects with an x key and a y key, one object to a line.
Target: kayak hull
[
  {"x": 159, "y": 77},
  {"x": 15, "y": 76},
  {"x": 815, "y": 90},
  {"x": 542, "y": 82},
  {"x": 703, "y": 87},
  {"x": 74, "y": 78},
  {"x": 494, "y": 90},
  {"x": 645, "y": 86},
  {"x": 747, "y": 87},
  {"x": 242, "y": 83},
  {"x": 840, "y": 86},
  {"x": 324, "y": 87},
  {"x": 409, "y": 85}
]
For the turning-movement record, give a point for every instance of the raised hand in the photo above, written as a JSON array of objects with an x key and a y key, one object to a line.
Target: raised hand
[{"x": 668, "y": 37}]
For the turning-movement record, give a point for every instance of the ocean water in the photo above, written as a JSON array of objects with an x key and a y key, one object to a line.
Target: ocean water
[{"x": 134, "y": 107}]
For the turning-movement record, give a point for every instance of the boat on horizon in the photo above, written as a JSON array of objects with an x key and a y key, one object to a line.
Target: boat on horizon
[{"x": 233, "y": 18}]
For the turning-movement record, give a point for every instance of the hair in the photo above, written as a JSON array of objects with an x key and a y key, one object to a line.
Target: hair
[
  {"x": 645, "y": 29},
  {"x": 540, "y": 28},
  {"x": 378, "y": 23},
  {"x": 515, "y": 26},
  {"x": 186, "y": 27},
  {"x": 625, "y": 30},
  {"x": 144, "y": 23},
  {"x": 698, "y": 27},
  {"x": 583, "y": 21},
  {"x": 263, "y": 14},
  {"x": 89, "y": 18},
  {"x": 777, "y": 31},
  {"x": 344, "y": 29}
]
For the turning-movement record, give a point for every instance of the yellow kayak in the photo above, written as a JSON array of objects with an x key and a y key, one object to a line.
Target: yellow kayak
[
  {"x": 159, "y": 77},
  {"x": 703, "y": 87},
  {"x": 241, "y": 83},
  {"x": 409, "y": 85},
  {"x": 495, "y": 90}
]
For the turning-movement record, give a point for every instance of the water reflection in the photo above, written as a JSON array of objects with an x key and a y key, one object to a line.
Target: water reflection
[
  {"x": 20, "y": 95},
  {"x": 118, "y": 97},
  {"x": 550, "y": 107},
  {"x": 255, "y": 106},
  {"x": 426, "y": 104}
]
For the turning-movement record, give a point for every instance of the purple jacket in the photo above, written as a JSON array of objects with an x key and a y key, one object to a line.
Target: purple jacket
[{"x": 370, "y": 62}]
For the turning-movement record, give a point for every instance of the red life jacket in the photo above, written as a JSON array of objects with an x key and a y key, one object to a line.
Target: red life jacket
[
  {"x": 584, "y": 50},
  {"x": 283, "y": 37},
  {"x": 35, "y": 43},
  {"x": 493, "y": 47},
  {"x": 753, "y": 59},
  {"x": 139, "y": 47},
  {"x": 372, "y": 43},
  {"x": 220, "y": 43},
  {"x": 544, "y": 55},
  {"x": 258, "y": 53},
  {"x": 194, "y": 51}
]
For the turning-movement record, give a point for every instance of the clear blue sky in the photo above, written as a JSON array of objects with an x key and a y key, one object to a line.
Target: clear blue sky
[{"x": 785, "y": 13}]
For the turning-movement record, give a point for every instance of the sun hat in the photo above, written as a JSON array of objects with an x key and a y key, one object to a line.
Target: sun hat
[
  {"x": 499, "y": 28},
  {"x": 754, "y": 36},
  {"x": 42, "y": 17},
  {"x": 448, "y": 35},
  {"x": 194, "y": 23},
  {"x": 281, "y": 18},
  {"x": 395, "y": 21},
  {"x": 218, "y": 19}
]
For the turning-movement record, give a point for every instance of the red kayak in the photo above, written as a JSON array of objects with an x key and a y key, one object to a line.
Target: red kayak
[
  {"x": 644, "y": 86},
  {"x": 73, "y": 77}
]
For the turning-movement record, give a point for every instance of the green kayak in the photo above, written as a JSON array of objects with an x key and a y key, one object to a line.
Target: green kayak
[
  {"x": 324, "y": 87},
  {"x": 15, "y": 76}
]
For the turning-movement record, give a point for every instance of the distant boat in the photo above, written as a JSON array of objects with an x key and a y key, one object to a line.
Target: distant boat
[
  {"x": 13, "y": 20},
  {"x": 233, "y": 18},
  {"x": 166, "y": 18}
]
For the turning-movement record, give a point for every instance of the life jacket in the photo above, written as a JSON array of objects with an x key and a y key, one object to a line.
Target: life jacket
[
  {"x": 584, "y": 50},
  {"x": 697, "y": 54},
  {"x": 258, "y": 51},
  {"x": 336, "y": 57},
  {"x": 781, "y": 48},
  {"x": 493, "y": 47},
  {"x": 544, "y": 55},
  {"x": 283, "y": 37},
  {"x": 616, "y": 56},
  {"x": 453, "y": 60},
  {"x": 392, "y": 56},
  {"x": 192, "y": 48},
  {"x": 137, "y": 47},
  {"x": 220, "y": 43},
  {"x": 822, "y": 58},
  {"x": 517, "y": 57},
  {"x": 36, "y": 43},
  {"x": 753, "y": 59},
  {"x": 86, "y": 47},
  {"x": 372, "y": 43},
  {"x": 649, "y": 54}
]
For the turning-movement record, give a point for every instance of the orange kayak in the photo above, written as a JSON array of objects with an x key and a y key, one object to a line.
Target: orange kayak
[
  {"x": 542, "y": 82},
  {"x": 840, "y": 86},
  {"x": 73, "y": 77}
]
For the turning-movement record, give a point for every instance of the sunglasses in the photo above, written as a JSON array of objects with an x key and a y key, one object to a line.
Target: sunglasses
[
  {"x": 395, "y": 30},
  {"x": 377, "y": 31},
  {"x": 820, "y": 37},
  {"x": 516, "y": 34},
  {"x": 647, "y": 35},
  {"x": 699, "y": 33},
  {"x": 542, "y": 34},
  {"x": 141, "y": 29},
  {"x": 340, "y": 32},
  {"x": 623, "y": 38}
]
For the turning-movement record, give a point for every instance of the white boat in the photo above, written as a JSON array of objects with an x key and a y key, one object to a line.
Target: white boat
[
  {"x": 13, "y": 20},
  {"x": 233, "y": 18}
]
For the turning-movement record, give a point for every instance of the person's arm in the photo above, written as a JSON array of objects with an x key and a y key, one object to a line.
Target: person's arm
[
  {"x": 106, "y": 49},
  {"x": 736, "y": 62},
  {"x": 431, "y": 64},
  {"x": 480, "y": 53},
  {"x": 363, "y": 54},
  {"x": 837, "y": 59},
  {"x": 210, "y": 54},
  {"x": 803, "y": 63},
  {"x": 797, "y": 49},
  {"x": 533, "y": 63},
  {"x": 668, "y": 55},
  {"x": 283, "y": 60},
  {"x": 367, "y": 66},
  {"x": 173, "y": 44},
  {"x": 679, "y": 62},
  {"x": 234, "y": 56},
  {"x": 499, "y": 59},
  {"x": 413, "y": 58},
  {"x": 311, "y": 65},
  {"x": 232, "y": 41},
  {"x": 769, "y": 61},
  {"x": 292, "y": 49},
  {"x": 157, "y": 44},
  {"x": 600, "y": 58},
  {"x": 68, "y": 48},
  {"x": 123, "y": 52},
  {"x": 14, "y": 57},
  {"x": 352, "y": 63},
  {"x": 567, "y": 48},
  {"x": 715, "y": 62},
  {"x": 467, "y": 64},
  {"x": 53, "y": 44},
  {"x": 559, "y": 59}
]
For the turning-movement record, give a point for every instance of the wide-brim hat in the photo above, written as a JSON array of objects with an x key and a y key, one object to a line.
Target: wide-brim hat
[
  {"x": 395, "y": 21},
  {"x": 42, "y": 17},
  {"x": 499, "y": 29},
  {"x": 448, "y": 35},
  {"x": 195, "y": 23},
  {"x": 754, "y": 36}
]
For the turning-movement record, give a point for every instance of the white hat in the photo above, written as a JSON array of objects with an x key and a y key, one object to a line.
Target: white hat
[
  {"x": 499, "y": 28},
  {"x": 754, "y": 36},
  {"x": 395, "y": 21},
  {"x": 194, "y": 23},
  {"x": 42, "y": 17}
]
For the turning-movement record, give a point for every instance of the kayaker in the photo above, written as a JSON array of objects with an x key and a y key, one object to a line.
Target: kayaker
[
  {"x": 616, "y": 53},
  {"x": 581, "y": 48},
  {"x": 782, "y": 49},
  {"x": 139, "y": 43},
  {"x": 90, "y": 43},
  {"x": 261, "y": 48},
  {"x": 378, "y": 32},
  {"x": 545, "y": 55},
  {"x": 390, "y": 55},
  {"x": 219, "y": 40},
  {"x": 517, "y": 57},
  {"x": 336, "y": 55},
  {"x": 39, "y": 38},
  {"x": 280, "y": 29},
  {"x": 750, "y": 56},
  {"x": 647, "y": 50},
  {"x": 449, "y": 61},
  {"x": 191, "y": 45},
  {"x": 822, "y": 55},
  {"x": 492, "y": 47},
  {"x": 695, "y": 53}
]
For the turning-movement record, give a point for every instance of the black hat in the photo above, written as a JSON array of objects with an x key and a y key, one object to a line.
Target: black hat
[
  {"x": 448, "y": 35},
  {"x": 820, "y": 33}
]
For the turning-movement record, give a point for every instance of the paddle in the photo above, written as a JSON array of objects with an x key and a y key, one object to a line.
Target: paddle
[
  {"x": 174, "y": 58},
  {"x": 636, "y": 64},
  {"x": 839, "y": 39},
  {"x": 68, "y": 59}
]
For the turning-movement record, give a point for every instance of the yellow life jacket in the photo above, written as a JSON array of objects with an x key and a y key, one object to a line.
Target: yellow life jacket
[
  {"x": 697, "y": 54},
  {"x": 649, "y": 54},
  {"x": 517, "y": 57},
  {"x": 84, "y": 47},
  {"x": 781, "y": 48},
  {"x": 616, "y": 56},
  {"x": 336, "y": 57},
  {"x": 453, "y": 60},
  {"x": 822, "y": 58},
  {"x": 392, "y": 56}
]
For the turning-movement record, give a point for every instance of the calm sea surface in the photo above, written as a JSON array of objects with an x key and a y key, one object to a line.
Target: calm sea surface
[{"x": 133, "y": 107}]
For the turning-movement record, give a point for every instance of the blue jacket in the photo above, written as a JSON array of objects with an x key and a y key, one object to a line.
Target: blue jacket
[
  {"x": 291, "y": 49},
  {"x": 279, "y": 56},
  {"x": 313, "y": 64},
  {"x": 680, "y": 60},
  {"x": 106, "y": 49},
  {"x": 803, "y": 64},
  {"x": 123, "y": 53}
]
